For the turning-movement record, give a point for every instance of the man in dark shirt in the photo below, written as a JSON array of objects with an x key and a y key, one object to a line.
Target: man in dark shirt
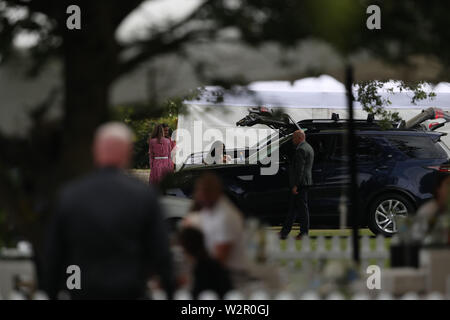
[
  {"x": 208, "y": 273},
  {"x": 300, "y": 178},
  {"x": 108, "y": 225}
]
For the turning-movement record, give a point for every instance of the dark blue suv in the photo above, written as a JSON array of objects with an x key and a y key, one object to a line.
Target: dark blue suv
[{"x": 396, "y": 172}]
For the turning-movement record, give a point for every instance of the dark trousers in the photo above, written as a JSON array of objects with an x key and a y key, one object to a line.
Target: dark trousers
[{"x": 298, "y": 207}]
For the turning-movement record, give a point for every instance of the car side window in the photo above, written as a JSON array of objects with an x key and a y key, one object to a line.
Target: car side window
[
  {"x": 367, "y": 149},
  {"x": 321, "y": 144},
  {"x": 339, "y": 153}
]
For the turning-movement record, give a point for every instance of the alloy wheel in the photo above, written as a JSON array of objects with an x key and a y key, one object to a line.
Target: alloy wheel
[{"x": 386, "y": 214}]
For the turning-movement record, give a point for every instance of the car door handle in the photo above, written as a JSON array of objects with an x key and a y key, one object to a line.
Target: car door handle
[
  {"x": 381, "y": 168},
  {"x": 317, "y": 170}
]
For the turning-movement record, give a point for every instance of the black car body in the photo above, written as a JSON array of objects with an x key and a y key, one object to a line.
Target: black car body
[{"x": 396, "y": 171}]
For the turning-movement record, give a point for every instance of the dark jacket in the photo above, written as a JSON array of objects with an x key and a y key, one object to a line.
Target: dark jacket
[
  {"x": 112, "y": 227},
  {"x": 300, "y": 169},
  {"x": 210, "y": 275}
]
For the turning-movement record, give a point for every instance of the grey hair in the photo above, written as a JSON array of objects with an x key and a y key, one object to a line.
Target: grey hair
[{"x": 117, "y": 130}]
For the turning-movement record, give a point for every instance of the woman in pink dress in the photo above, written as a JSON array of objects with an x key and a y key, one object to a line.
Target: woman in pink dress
[{"x": 159, "y": 155}]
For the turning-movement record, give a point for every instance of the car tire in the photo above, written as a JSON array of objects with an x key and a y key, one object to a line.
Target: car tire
[{"x": 384, "y": 210}]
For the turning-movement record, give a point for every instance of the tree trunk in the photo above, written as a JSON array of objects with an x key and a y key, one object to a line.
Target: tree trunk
[{"x": 90, "y": 57}]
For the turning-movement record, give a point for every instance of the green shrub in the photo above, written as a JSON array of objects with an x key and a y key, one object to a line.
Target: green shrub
[
  {"x": 142, "y": 130},
  {"x": 142, "y": 126}
]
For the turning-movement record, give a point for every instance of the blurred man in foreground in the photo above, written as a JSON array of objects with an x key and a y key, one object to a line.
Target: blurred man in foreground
[{"x": 110, "y": 226}]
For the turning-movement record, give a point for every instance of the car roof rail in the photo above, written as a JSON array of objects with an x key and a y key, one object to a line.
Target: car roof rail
[{"x": 327, "y": 124}]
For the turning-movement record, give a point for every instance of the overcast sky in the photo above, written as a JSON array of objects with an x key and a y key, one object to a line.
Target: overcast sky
[
  {"x": 151, "y": 13},
  {"x": 154, "y": 13}
]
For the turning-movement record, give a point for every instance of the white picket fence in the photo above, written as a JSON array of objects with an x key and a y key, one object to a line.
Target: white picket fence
[
  {"x": 264, "y": 295},
  {"x": 306, "y": 253},
  {"x": 308, "y": 295}
]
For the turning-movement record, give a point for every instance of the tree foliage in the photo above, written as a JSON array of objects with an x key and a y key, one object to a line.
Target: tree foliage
[
  {"x": 143, "y": 126},
  {"x": 375, "y": 103}
]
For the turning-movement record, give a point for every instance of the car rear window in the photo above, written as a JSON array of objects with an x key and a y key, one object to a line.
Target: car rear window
[
  {"x": 367, "y": 149},
  {"x": 418, "y": 147}
]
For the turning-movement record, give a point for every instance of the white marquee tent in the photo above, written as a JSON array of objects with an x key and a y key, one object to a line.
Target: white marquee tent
[{"x": 309, "y": 98}]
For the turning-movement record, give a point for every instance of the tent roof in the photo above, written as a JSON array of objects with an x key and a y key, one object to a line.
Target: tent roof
[
  {"x": 323, "y": 83},
  {"x": 320, "y": 92}
]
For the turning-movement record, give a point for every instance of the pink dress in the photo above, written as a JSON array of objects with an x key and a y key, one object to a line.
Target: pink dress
[{"x": 159, "y": 156}]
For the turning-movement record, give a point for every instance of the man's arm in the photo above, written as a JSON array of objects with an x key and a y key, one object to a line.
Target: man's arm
[{"x": 300, "y": 166}]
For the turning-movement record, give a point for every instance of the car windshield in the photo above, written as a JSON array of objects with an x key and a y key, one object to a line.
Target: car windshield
[
  {"x": 263, "y": 143},
  {"x": 265, "y": 140},
  {"x": 268, "y": 148},
  {"x": 196, "y": 158},
  {"x": 232, "y": 156},
  {"x": 262, "y": 149}
]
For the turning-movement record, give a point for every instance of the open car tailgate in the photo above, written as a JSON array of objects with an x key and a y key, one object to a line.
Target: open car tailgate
[
  {"x": 274, "y": 120},
  {"x": 429, "y": 119}
]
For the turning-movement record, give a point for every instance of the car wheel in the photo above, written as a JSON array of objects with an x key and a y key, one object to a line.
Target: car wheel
[{"x": 385, "y": 210}]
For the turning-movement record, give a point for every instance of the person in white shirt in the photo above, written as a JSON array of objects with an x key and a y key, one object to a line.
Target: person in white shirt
[
  {"x": 222, "y": 225},
  {"x": 426, "y": 221}
]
